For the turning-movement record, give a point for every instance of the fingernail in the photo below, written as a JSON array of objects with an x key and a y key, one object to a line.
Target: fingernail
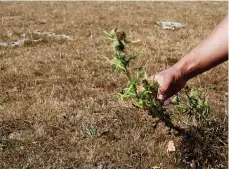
[{"x": 160, "y": 97}]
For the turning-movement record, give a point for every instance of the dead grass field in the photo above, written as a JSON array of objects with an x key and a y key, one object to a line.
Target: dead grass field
[{"x": 55, "y": 93}]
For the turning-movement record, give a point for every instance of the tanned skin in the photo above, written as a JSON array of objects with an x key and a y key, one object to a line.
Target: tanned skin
[{"x": 208, "y": 54}]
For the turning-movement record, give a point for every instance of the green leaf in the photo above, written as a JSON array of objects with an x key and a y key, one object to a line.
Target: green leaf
[
  {"x": 118, "y": 64},
  {"x": 175, "y": 100},
  {"x": 139, "y": 103},
  {"x": 141, "y": 74},
  {"x": 129, "y": 92},
  {"x": 154, "y": 84},
  {"x": 108, "y": 38},
  {"x": 91, "y": 130},
  {"x": 131, "y": 42},
  {"x": 110, "y": 35}
]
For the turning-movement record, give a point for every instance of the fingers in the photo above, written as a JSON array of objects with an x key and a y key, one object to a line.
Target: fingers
[
  {"x": 163, "y": 90},
  {"x": 164, "y": 86},
  {"x": 171, "y": 81},
  {"x": 159, "y": 80}
]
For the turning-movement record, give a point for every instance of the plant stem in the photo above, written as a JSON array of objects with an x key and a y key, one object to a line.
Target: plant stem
[
  {"x": 127, "y": 72},
  {"x": 167, "y": 122}
]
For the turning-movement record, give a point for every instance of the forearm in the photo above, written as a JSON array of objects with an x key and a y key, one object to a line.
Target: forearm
[{"x": 208, "y": 54}]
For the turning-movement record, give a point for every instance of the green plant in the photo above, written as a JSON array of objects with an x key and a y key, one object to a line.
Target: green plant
[
  {"x": 142, "y": 91},
  {"x": 203, "y": 136}
]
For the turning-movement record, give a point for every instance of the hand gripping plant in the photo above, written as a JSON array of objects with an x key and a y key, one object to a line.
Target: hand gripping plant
[
  {"x": 142, "y": 91},
  {"x": 191, "y": 111}
]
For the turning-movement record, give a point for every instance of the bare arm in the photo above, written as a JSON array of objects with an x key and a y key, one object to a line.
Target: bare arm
[{"x": 209, "y": 53}]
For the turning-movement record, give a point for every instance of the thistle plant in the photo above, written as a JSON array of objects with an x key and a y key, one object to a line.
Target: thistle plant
[
  {"x": 199, "y": 140},
  {"x": 193, "y": 105},
  {"x": 142, "y": 91}
]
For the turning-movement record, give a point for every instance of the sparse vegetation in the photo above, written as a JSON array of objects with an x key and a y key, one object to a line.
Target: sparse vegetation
[
  {"x": 203, "y": 137},
  {"x": 139, "y": 88},
  {"x": 58, "y": 104}
]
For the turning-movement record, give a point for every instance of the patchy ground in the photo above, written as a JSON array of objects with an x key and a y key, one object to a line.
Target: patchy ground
[{"x": 58, "y": 107}]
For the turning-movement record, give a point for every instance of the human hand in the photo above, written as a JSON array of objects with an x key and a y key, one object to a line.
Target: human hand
[{"x": 171, "y": 81}]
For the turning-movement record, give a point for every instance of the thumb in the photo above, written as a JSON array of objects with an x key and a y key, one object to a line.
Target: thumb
[{"x": 162, "y": 88}]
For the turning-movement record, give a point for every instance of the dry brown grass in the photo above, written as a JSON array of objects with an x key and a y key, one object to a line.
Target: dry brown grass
[{"x": 53, "y": 92}]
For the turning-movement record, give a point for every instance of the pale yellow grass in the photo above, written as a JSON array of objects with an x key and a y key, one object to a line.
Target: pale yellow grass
[{"x": 52, "y": 92}]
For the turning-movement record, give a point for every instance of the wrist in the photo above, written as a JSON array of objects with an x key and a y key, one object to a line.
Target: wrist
[{"x": 187, "y": 67}]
